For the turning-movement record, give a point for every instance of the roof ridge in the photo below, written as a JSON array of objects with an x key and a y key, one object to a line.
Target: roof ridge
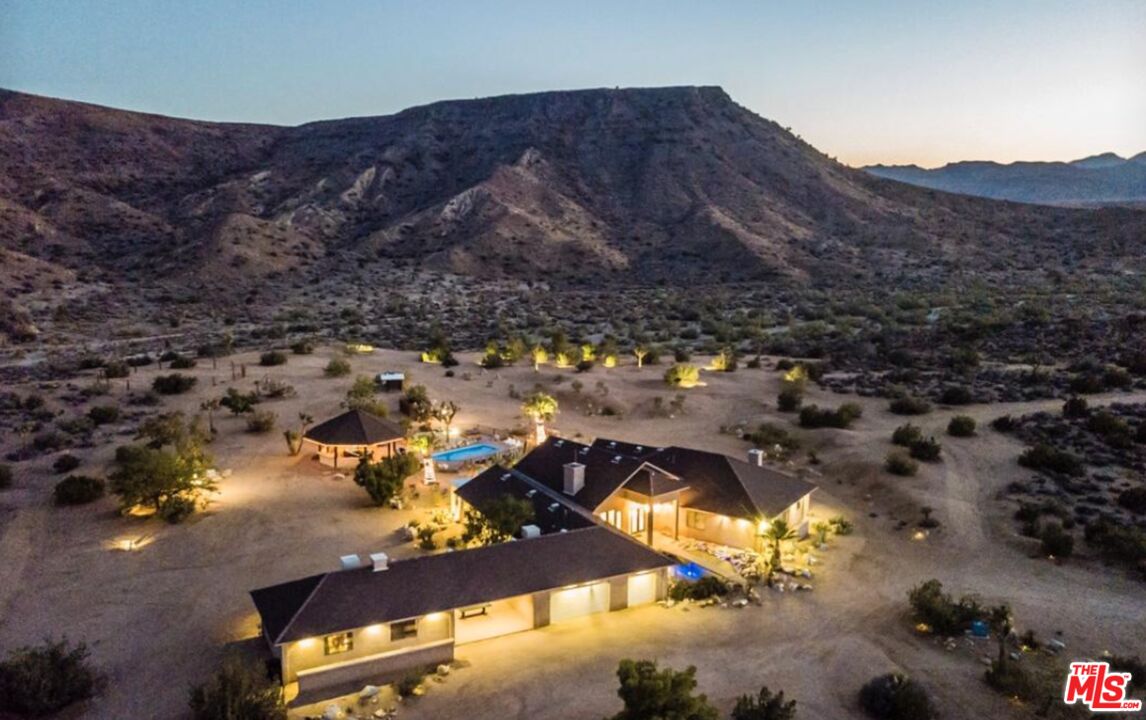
[{"x": 301, "y": 607}]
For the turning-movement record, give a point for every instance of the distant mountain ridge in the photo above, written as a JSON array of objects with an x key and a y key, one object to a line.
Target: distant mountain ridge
[{"x": 1104, "y": 179}]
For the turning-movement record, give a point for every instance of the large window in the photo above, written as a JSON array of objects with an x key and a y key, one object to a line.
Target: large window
[
  {"x": 403, "y": 630},
  {"x": 339, "y": 643},
  {"x": 637, "y": 520},
  {"x": 694, "y": 519},
  {"x": 613, "y": 517}
]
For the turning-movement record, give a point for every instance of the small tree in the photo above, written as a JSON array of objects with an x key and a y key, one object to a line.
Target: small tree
[
  {"x": 999, "y": 617},
  {"x": 764, "y": 706},
  {"x": 542, "y": 408},
  {"x": 237, "y": 691},
  {"x": 294, "y": 437},
  {"x": 238, "y": 402},
  {"x": 640, "y": 352},
  {"x": 652, "y": 694},
  {"x": 777, "y": 533},
  {"x": 361, "y": 394},
  {"x": 38, "y": 681},
  {"x": 497, "y": 520},
  {"x": 383, "y": 480},
  {"x": 445, "y": 412}
]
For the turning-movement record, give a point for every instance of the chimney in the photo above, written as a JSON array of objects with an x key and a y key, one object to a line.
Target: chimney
[
  {"x": 756, "y": 457},
  {"x": 380, "y": 560},
  {"x": 574, "y": 478}
]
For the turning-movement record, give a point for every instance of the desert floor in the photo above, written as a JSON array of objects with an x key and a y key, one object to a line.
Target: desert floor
[{"x": 159, "y": 618}]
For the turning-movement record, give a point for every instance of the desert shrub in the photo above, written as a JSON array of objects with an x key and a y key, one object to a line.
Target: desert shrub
[
  {"x": 116, "y": 369},
  {"x": 176, "y": 509},
  {"x": 1044, "y": 457},
  {"x": 771, "y": 437},
  {"x": 842, "y": 417},
  {"x": 1003, "y": 424},
  {"x": 702, "y": 589},
  {"x": 415, "y": 403},
  {"x": 41, "y": 680},
  {"x": 493, "y": 360},
  {"x": 956, "y": 395},
  {"x": 103, "y": 414},
  {"x": 139, "y": 360},
  {"x": 898, "y": 463},
  {"x": 238, "y": 690},
  {"x": 181, "y": 362},
  {"x": 1117, "y": 543},
  {"x": 1056, "y": 541},
  {"x": 1110, "y": 428},
  {"x": 961, "y": 426},
  {"x": 927, "y": 450},
  {"x": 409, "y": 683},
  {"x": 90, "y": 362},
  {"x": 841, "y": 525},
  {"x": 1075, "y": 407},
  {"x": 789, "y": 399},
  {"x": 909, "y": 405},
  {"x": 682, "y": 375},
  {"x": 173, "y": 384},
  {"x": 1133, "y": 500},
  {"x": 302, "y": 347},
  {"x": 896, "y": 697},
  {"x": 5, "y": 476},
  {"x": 904, "y": 435},
  {"x": 272, "y": 358},
  {"x": 585, "y": 366},
  {"x": 66, "y": 463},
  {"x": 261, "y": 421},
  {"x": 937, "y": 609},
  {"x": 78, "y": 490},
  {"x": 1087, "y": 384},
  {"x": 337, "y": 367},
  {"x": 239, "y": 402},
  {"x": 383, "y": 480}
]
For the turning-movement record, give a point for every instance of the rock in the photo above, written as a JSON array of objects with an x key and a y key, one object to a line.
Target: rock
[{"x": 443, "y": 670}]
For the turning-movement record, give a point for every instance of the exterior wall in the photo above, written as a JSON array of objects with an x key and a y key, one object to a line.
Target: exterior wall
[
  {"x": 501, "y": 617},
  {"x": 619, "y": 593},
  {"x": 309, "y": 654},
  {"x": 720, "y": 529},
  {"x": 338, "y": 455},
  {"x": 379, "y": 668}
]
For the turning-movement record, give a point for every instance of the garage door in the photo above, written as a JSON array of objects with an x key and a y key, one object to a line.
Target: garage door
[
  {"x": 497, "y": 618},
  {"x": 642, "y": 589},
  {"x": 578, "y": 601}
]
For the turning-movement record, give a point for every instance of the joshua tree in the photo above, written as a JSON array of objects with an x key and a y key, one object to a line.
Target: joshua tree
[
  {"x": 640, "y": 351},
  {"x": 444, "y": 413},
  {"x": 539, "y": 356},
  {"x": 294, "y": 438},
  {"x": 540, "y": 407},
  {"x": 1001, "y": 624},
  {"x": 209, "y": 407}
]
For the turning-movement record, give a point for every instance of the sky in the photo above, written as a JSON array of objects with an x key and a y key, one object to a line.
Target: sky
[{"x": 877, "y": 81}]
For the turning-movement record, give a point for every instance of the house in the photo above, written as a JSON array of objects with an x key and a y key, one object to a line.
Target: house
[
  {"x": 352, "y": 435},
  {"x": 680, "y": 492},
  {"x": 376, "y": 622}
]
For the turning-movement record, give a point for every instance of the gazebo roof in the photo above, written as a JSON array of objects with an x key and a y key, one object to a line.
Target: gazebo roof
[{"x": 355, "y": 427}]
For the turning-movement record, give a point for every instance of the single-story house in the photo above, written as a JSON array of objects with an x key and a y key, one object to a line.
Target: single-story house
[
  {"x": 677, "y": 491},
  {"x": 342, "y": 440},
  {"x": 376, "y": 622}
]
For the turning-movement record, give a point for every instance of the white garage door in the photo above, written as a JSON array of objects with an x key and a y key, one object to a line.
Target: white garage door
[
  {"x": 498, "y": 618},
  {"x": 642, "y": 589},
  {"x": 578, "y": 602}
]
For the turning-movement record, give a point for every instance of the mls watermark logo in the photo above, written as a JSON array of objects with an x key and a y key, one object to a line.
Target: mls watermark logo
[{"x": 1098, "y": 688}]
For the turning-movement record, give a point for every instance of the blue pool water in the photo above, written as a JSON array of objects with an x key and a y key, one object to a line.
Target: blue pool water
[{"x": 478, "y": 451}]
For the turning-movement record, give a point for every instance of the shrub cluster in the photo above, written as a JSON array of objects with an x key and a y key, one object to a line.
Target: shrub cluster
[
  {"x": 78, "y": 490},
  {"x": 1046, "y": 458},
  {"x": 842, "y": 417},
  {"x": 909, "y": 405},
  {"x": 946, "y": 616},
  {"x": 961, "y": 426}
]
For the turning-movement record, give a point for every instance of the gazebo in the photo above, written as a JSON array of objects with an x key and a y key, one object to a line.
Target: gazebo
[{"x": 355, "y": 434}]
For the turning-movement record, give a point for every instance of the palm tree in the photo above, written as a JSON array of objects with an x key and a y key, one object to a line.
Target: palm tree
[
  {"x": 778, "y": 533},
  {"x": 540, "y": 407},
  {"x": 1001, "y": 624},
  {"x": 444, "y": 413}
]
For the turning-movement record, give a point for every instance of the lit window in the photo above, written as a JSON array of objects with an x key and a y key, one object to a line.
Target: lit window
[
  {"x": 403, "y": 630},
  {"x": 694, "y": 519},
  {"x": 637, "y": 520},
  {"x": 340, "y": 643},
  {"x": 612, "y": 517}
]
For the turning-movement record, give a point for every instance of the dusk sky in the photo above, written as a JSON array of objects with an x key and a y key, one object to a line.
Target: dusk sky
[{"x": 876, "y": 81}]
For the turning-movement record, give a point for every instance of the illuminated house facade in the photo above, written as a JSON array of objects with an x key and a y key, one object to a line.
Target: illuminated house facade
[
  {"x": 343, "y": 439},
  {"x": 643, "y": 491}
]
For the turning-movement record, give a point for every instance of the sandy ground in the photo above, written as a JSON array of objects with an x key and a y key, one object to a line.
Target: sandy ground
[{"x": 159, "y": 618}]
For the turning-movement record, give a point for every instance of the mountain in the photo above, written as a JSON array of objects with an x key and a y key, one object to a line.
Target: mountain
[
  {"x": 594, "y": 188},
  {"x": 1105, "y": 179}
]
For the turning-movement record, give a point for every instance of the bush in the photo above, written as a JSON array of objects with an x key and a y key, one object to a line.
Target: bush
[
  {"x": 909, "y": 406},
  {"x": 842, "y": 417},
  {"x": 930, "y": 605},
  {"x": 897, "y": 463},
  {"x": 179, "y": 362},
  {"x": 1056, "y": 541},
  {"x": 5, "y": 476},
  {"x": 764, "y": 706},
  {"x": 261, "y": 421},
  {"x": 66, "y": 463},
  {"x": 410, "y": 682},
  {"x": 789, "y": 399},
  {"x": 1075, "y": 407},
  {"x": 896, "y": 697},
  {"x": 116, "y": 369},
  {"x": 904, "y": 435},
  {"x": 1046, "y": 458},
  {"x": 1117, "y": 543},
  {"x": 176, "y": 509},
  {"x": 1133, "y": 500},
  {"x": 771, "y": 437},
  {"x": 238, "y": 690},
  {"x": 103, "y": 414},
  {"x": 302, "y": 347},
  {"x": 927, "y": 450},
  {"x": 961, "y": 426},
  {"x": 682, "y": 375},
  {"x": 1003, "y": 424},
  {"x": 272, "y": 358},
  {"x": 702, "y": 589},
  {"x": 78, "y": 490},
  {"x": 173, "y": 384},
  {"x": 956, "y": 395},
  {"x": 337, "y": 367},
  {"x": 38, "y": 681}
]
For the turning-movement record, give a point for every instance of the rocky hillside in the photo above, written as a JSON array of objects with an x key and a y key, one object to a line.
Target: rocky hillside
[
  {"x": 596, "y": 188},
  {"x": 1105, "y": 179}
]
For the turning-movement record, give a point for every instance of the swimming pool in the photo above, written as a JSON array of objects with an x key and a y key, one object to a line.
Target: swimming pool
[{"x": 468, "y": 453}]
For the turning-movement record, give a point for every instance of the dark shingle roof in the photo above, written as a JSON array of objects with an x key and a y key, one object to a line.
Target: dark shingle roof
[
  {"x": 355, "y": 427},
  {"x": 552, "y": 511},
  {"x": 648, "y": 481},
  {"x": 720, "y": 484},
  {"x": 605, "y": 471},
  {"x": 351, "y": 599}
]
